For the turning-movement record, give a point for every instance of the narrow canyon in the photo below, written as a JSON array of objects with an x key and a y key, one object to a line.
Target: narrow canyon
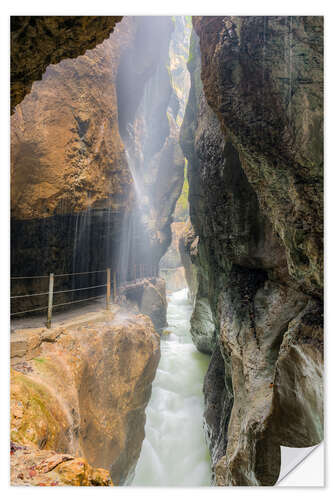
[{"x": 167, "y": 210}]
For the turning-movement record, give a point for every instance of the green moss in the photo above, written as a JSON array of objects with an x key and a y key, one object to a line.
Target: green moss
[
  {"x": 39, "y": 360},
  {"x": 38, "y": 413}
]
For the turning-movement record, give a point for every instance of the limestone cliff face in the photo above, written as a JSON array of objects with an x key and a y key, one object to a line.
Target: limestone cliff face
[
  {"x": 171, "y": 267},
  {"x": 70, "y": 182},
  {"x": 72, "y": 191},
  {"x": 148, "y": 297},
  {"x": 67, "y": 154},
  {"x": 178, "y": 52},
  {"x": 37, "y": 41},
  {"x": 187, "y": 245},
  {"x": 263, "y": 76},
  {"x": 170, "y": 264},
  {"x": 82, "y": 391},
  {"x": 252, "y": 197},
  {"x": 31, "y": 466}
]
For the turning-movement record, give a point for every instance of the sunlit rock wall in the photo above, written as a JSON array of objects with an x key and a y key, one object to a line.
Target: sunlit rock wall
[
  {"x": 70, "y": 183},
  {"x": 66, "y": 151},
  {"x": 71, "y": 186},
  {"x": 82, "y": 391},
  {"x": 253, "y": 136}
]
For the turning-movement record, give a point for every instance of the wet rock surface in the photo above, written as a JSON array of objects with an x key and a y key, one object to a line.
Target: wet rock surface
[
  {"x": 187, "y": 245},
  {"x": 263, "y": 76},
  {"x": 37, "y": 41},
  {"x": 252, "y": 135},
  {"x": 171, "y": 266},
  {"x": 70, "y": 182},
  {"x": 174, "y": 278},
  {"x": 84, "y": 393},
  {"x": 72, "y": 192},
  {"x": 149, "y": 297},
  {"x": 250, "y": 203}
]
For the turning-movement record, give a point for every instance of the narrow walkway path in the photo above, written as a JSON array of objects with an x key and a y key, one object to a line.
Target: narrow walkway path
[
  {"x": 174, "y": 452},
  {"x": 59, "y": 317}
]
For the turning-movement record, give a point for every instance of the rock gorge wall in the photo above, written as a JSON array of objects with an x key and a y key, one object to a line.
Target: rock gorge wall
[
  {"x": 67, "y": 154},
  {"x": 252, "y": 134},
  {"x": 71, "y": 185},
  {"x": 37, "y": 41},
  {"x": 187, "y": 246},
  {"x": 81, "y": 391},
  {"x": 171, "y": 267},
  {"x": 72, "y": 192}
]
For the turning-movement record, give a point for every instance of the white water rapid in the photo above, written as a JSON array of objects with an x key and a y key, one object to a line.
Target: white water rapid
[{"x": 174, "y": 452}]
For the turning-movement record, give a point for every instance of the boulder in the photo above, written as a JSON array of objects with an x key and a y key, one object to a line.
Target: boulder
[{"x": 85, "y": 393}]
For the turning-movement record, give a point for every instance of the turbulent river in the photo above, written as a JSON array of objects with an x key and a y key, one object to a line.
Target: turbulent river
[{"x": 174, "y": 452}]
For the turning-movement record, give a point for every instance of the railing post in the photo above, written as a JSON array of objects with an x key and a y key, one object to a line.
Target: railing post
[
  {"x": 108, "y": 288},
  {"x": 49, "y": 310},
  {"x": 134, "y": 272},
  {"x": 114, "y": 285}
]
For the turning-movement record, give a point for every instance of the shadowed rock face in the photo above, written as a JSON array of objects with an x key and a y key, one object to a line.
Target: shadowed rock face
[
  {"x": 263, "y": 388},
  {"x": 37, "y": 41},
  {"x": 263, "y": 76},
  {"x": 83, "y": 391}
]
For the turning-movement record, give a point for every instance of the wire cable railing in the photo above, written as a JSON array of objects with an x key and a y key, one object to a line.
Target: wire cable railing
[{"x": 117, "y": 287}]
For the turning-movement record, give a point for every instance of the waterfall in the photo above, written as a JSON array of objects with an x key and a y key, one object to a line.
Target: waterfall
[{"x": 135, "y": 244}]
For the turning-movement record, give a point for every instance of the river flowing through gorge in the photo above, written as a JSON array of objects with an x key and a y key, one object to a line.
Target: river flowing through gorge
[
  {"x": 174, "y": 452},
  {"x": 166, "y": 295}
]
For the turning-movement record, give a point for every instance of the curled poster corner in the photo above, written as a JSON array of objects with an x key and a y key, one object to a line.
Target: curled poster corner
[{"x": 302, "y": 466}]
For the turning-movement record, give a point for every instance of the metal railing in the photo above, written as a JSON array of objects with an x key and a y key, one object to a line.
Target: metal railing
[{"x": 117, "y": 287}]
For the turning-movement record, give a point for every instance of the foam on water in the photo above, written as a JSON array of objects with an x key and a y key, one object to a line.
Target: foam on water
[{"x": 174, "y": 452}]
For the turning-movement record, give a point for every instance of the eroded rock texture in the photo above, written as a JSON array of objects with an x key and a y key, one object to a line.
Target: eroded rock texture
[
  {"x": 31, "y": 466},
  {"x": 171, "y": 268},
  {"x": 187, "y": 246},
  {"x": 67, "y": 154},
  {"x": 265, "y": 82},
  {"x": 170, "y": 265},
  {"x": 72, "y": 191},
  {"x": 82, "y": 391},
  {"x": 70, "y": 182},
  {"x": 37, "y": 41},
  {"x": 148, "y": 297},
  {"x": 253, "y": 137}
]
